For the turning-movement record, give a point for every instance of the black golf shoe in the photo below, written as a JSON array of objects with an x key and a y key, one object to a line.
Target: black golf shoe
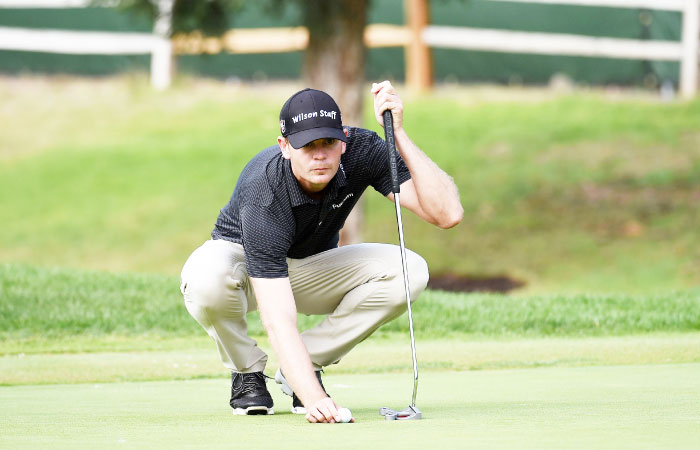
[
  {"x": 297, "y": 406},
  {"x": 249, "y": 394}
]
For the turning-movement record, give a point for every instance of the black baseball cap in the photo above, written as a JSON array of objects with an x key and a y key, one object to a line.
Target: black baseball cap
[{"x": 309, "y": 115}]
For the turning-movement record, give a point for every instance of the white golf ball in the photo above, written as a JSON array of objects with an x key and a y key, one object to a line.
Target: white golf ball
[{"x": 345, "y": 415}]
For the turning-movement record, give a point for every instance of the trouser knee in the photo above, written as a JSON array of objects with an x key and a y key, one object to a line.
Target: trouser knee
[
  {"x": 216, "y": 295},
  {"x": 417, "y": 281}
]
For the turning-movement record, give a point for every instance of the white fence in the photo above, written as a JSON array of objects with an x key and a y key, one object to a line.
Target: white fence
[
  {"x": 94, "y": 42},
  {"x": 89, "y": 42}
]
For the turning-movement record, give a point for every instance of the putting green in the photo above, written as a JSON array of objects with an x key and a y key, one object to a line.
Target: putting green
[{"x": 651, "y": 406}]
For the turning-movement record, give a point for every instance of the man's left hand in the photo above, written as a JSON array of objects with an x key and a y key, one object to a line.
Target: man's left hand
[{"x": 385, "y": 97}]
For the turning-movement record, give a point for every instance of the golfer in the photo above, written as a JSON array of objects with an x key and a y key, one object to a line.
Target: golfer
[{"x": 274, "y": 249}]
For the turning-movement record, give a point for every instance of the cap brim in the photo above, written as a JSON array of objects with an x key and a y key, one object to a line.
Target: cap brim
[{"x": 301, "y": 138}]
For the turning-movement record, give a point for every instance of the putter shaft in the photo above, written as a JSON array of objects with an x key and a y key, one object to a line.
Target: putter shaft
[
  {"x": 397, "y": 202},
  {"x": 396, "y": 189}
]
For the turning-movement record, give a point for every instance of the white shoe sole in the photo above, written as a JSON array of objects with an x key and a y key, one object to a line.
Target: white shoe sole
[
  {"x": 287, "y": 389},
  {"x": 298, "y": 410},
  {"x": 254, "y": 411}
]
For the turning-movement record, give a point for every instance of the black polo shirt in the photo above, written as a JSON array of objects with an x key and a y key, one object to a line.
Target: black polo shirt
[{"x": 273, "y": 218}]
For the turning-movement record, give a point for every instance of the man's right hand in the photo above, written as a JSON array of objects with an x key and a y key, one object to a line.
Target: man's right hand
[{"x": 324, "y": 410}]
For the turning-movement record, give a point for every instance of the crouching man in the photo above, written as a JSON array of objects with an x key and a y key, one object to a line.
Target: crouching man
[{"x": 274, "y": 248}]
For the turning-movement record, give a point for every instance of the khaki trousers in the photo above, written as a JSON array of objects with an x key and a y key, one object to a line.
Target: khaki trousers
[{"x": 358, "y": 288}]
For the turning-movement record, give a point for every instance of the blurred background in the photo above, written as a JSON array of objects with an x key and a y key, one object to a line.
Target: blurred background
[
  {"x": 570, "y": 126},
  {"x": 385, "y": 58}
]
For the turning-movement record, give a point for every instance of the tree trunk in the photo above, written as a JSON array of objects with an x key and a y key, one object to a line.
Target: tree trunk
[{"x": 335, "y": 63}]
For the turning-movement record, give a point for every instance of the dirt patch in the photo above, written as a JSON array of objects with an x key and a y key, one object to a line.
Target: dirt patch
[{"x": 464, "y": 283}]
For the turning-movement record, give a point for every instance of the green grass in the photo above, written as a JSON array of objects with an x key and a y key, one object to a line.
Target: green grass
[
  {"x": 65, "y": 302},
  {"x": 579, "y": 192},
  {"x": 626, "y": 407},
  {"x": 143, "y": 358},
  {"x": 72, "y": 326},
  {"x": 106, "y": 187}
]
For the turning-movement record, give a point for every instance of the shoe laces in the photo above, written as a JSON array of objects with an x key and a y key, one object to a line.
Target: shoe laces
[{"x": 252, "y": 382}]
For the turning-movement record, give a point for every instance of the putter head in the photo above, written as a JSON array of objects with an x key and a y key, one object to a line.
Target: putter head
[{"x": 410, "y": 413}]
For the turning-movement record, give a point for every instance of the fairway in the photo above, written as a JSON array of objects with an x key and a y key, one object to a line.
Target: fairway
[{"x": 653, "y": 406}]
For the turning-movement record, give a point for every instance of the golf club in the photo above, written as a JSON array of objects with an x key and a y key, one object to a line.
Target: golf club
[{"x": 410, "y": 413}]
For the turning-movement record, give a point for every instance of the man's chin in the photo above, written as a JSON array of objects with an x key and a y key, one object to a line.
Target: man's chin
[{"x": 322, "y": 178}]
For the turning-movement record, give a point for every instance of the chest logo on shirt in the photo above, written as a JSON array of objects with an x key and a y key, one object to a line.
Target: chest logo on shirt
[{"x": 338, "y": 205}]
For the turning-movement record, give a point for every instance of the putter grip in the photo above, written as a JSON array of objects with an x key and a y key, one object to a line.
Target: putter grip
[{"x": 391, "y": 146}]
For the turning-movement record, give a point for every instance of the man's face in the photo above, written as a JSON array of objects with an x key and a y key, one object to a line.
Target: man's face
[{"x": 315, "y": 164}]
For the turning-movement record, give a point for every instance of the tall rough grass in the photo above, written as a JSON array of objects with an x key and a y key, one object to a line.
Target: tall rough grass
[{"x": 62, "y": 302}]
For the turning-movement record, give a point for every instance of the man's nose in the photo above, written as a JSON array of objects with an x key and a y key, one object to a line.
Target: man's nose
[{"x": 320, "y": 152}]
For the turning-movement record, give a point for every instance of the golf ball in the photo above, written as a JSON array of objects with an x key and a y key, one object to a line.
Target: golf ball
[{"x": 345, "y": 415}]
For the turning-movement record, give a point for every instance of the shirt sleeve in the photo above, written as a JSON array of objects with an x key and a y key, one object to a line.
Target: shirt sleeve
[
  {"x": 378, "y": 166},
  {"x": 266, "y": 242}
]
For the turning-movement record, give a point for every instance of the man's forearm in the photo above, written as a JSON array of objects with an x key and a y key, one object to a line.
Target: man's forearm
[
  {"x": 436, "y": 191},
  {"x": 278, "y": 313}
]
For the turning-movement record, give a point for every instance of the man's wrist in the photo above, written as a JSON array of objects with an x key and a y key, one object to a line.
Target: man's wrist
[
  {"x": 316, "y": 397},
  {"x": 402, "y": 140}
]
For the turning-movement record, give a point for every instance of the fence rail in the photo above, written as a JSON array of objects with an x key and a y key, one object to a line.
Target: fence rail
[
  {"x": 37, "y": 4},
  {"x": 661, "y": 5},
  {"x": 77, "y": 42},
  {"x": 549, "y": 44}
]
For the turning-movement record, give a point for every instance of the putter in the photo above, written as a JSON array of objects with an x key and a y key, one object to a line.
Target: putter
[{"x": 410, "y": 413}]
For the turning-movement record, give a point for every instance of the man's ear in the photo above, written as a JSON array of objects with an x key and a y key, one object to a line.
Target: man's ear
[
  {"x": 284, "y": 146},
  {"x": 345, "y": 130}
]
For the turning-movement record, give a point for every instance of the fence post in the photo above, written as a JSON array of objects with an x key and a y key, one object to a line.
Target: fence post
[
  {"x": 691, "y": 37},
  {"x": 161, "y": 55},
  {"x": 419, "y": 64}
]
